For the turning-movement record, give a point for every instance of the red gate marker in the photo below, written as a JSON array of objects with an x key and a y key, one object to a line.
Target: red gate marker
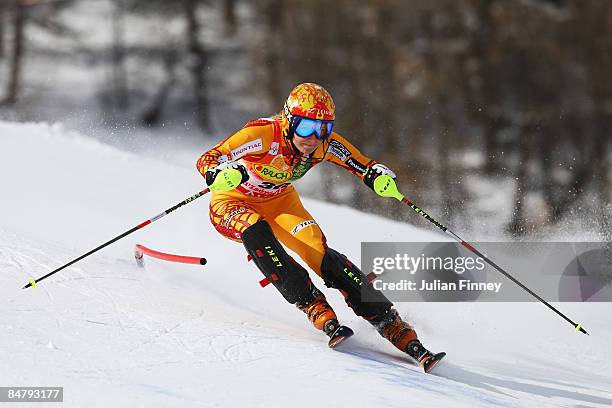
[{"x": 139, "y": 250}]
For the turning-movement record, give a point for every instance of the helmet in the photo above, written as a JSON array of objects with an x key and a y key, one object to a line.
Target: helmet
[{"x": 308, "y": 100}]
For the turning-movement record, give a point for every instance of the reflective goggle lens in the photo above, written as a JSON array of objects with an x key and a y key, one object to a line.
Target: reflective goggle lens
[{"x": 306, "y": 127}]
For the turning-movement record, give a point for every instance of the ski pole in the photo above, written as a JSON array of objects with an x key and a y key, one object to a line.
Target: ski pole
[
  {"x": 228, "y": 179},
  {"x": 385, "y": 186}
]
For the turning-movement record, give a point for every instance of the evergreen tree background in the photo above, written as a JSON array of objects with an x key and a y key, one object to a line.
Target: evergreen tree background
[{"x": 464, "y": 99}]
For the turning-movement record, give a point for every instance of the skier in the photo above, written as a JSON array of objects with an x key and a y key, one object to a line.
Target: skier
[{"x": 271, "y": 153}]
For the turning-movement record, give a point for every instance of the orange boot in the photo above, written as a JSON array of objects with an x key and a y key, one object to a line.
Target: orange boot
[
  {"x": 324, "y": 318},
  {"x": 319, "y": 312},
  {"x": 397, "y": 331},
  {"x": 403, "y": 336}
]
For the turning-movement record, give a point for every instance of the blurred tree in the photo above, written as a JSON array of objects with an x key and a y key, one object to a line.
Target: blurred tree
[
  {"x": 526, "y": 145},
  {"x": 119, "y": 78},
  {"x": 37, "y": 13},
  {"x": 15, "y": 63},
  {"x": 153, "y": 113},
  {"x": 449, "y": 93},
  {"x": 598, "y": 50},
  {"x": 197, "y": 61},
  {"x": 273, "y": 16},
  {"x": 587, "y": 34},
  {"x": 229, "y": 17},
  {"x": 484, "y": 77},
  {"x": 175, "y": 56},
  {"x": 3, "y": 24}
]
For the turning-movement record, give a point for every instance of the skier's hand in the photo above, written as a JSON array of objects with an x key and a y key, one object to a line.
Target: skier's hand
[
  {"x": 212, "y": 174},
  {"x": 374, "y": 171}
]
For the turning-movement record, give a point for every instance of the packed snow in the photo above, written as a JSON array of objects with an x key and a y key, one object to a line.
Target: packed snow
[{"x": 171, "y": 335}]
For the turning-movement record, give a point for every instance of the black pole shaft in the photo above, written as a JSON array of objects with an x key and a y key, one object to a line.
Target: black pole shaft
[
  {"x": 490, "y": 262},
  {"x": 118, "y": 237}
]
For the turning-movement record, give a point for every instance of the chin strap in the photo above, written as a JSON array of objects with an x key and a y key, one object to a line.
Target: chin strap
[
  {"x": 295, "y": 152},
  {"x": 289, "y": 136}
]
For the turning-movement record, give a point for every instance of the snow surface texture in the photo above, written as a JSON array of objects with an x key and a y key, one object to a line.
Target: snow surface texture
[{"x": 172, "y": 335}]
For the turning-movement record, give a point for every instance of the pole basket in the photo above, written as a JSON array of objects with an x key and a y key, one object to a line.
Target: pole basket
[{"x": 141, "y": 250}]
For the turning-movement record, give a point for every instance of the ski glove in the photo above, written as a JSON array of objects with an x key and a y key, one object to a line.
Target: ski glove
[
  {"x": 212, "y": 174},
  {"x": 374, "y": 171}
]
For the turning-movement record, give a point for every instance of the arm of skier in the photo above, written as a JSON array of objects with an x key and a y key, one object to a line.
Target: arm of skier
[
  {"x": 342, "y": 153},
  {"x": 247, "y": 141}
]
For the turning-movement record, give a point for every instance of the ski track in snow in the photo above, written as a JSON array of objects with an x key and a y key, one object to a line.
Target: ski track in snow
[{"x": 114, "y": 334}]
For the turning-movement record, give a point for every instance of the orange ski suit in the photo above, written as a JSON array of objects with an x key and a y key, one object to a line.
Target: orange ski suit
[{"x": 273, "y": 165}]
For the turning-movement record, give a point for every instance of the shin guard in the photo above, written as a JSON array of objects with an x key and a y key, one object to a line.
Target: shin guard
[
  {"x": 340, "y": 273},
  {"x": 289, "y": 277}
]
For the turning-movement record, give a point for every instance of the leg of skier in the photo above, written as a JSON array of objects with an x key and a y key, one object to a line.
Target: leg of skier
[
  {"x": 369, "y": 303},
  {"x": 241, "y": 222},
  {"x": 296, "y": 229}
]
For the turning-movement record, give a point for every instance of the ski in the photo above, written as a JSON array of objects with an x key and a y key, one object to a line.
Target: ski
[
  {"x": 339, "y": 335},
  {"x": 432, "y": 361}
]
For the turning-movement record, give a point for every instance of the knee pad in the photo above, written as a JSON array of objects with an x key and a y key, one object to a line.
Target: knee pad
[
  {"x": 340, "y": 273},
  {"x": 288, "y": 276}
]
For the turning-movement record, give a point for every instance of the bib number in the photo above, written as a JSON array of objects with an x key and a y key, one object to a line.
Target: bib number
[{"x": 271, "y": 186}]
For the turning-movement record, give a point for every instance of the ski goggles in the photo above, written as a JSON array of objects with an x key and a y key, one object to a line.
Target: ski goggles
[{"x": 305, "y": 127}]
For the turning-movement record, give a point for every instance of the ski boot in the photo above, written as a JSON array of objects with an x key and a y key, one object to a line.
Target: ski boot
[
  {"x": 324, "y": 318},
  {"x": 424, "y": 357},
  {"x": 402, "y": 335}
]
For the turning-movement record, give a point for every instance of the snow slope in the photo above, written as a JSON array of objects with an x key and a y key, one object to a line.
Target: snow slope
[{"x": 170, "y": 335}]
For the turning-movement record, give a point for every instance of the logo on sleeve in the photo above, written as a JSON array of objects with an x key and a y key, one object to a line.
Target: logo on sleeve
[
  {"x": 246, "y": 148},
  {"x": 337, "y": 149},
  {"x": 354, "y": 164}
]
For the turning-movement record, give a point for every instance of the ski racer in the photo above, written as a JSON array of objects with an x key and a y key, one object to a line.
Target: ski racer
[{"x": 264, "y": 210}]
